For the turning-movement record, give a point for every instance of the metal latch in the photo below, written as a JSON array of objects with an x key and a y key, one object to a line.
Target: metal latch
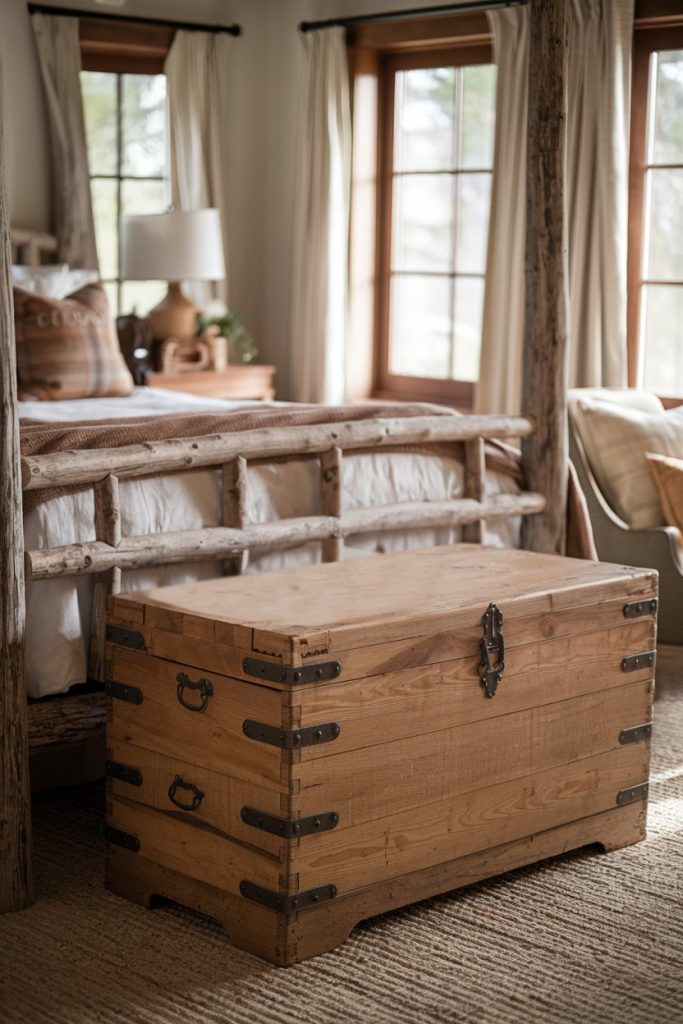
[
  {"x": 290, "y": 828},
  {"x": 120, "y": 838},
  {"x": 633, "y": 662},
  {"x": 126, "y": 637},
  {"x": 290, "y": 739},
  {"x": 124, "y": 772},
  {"x": 634, "y": 609},
  {"x": 636, "y": 733},
  {"x": 275, "y": 673},
  {"x": 287, "y": 904},
  {"x": 132, "y": 694},
  {"x": 492, "y": 643},
  {"x": 629, "y": 796}
]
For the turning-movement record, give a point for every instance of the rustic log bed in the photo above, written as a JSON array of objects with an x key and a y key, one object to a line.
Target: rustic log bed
[{"x": 543, "y": 428}]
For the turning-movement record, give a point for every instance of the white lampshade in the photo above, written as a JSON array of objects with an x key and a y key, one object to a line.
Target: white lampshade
[{"x": 173, "y": 246}]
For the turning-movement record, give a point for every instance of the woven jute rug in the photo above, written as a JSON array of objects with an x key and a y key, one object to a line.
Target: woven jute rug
[{"x": 587, "y": 937}]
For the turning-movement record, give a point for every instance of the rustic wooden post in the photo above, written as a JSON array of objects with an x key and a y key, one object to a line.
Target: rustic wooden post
[
  {"x": 235, "y": 509},
  {"x": 107, "y": 529},
  {"x": 16, "y": 880},
  {"x": 544, "y": 375},
  {"x": 475, "y": 484},
  {"x": 331, "y": 484}
]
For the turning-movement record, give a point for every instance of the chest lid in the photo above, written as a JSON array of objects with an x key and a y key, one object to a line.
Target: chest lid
[{"x": 298, "y": 617}]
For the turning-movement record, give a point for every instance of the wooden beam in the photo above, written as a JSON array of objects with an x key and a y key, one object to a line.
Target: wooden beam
[
  {"x": 16, "y": 881},
  {"x": 219, "y": 542},
  {"x": 60, "y": 469},
  {"x": 331, "y": 492},
  {"x": 544, "y": 376},
  {"x": 235, "y": 509},
  {"x": 107, "y": 529}
]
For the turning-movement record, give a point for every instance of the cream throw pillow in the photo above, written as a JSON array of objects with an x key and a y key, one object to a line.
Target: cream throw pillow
[
  {"x": 619, "y": 440},
  {"x": 667, "y": 474}
]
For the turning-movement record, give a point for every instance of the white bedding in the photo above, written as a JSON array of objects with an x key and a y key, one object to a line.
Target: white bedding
[{"x": 58, "y": 610}]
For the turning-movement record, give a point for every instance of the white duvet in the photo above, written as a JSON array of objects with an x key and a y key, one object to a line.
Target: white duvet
[{"x": 58, "y": 610}]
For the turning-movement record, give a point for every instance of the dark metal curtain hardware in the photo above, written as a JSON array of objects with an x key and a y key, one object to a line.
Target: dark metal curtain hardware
[
  {"x": 416, "y": 12},
  {"x": 185, "y": 26}
]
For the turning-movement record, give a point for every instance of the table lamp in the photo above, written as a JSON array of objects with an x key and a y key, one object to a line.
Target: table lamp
[{"x": 174, "y": 246}]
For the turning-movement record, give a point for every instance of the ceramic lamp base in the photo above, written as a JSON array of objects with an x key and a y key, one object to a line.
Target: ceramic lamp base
[{"x": 175, "y": 316}]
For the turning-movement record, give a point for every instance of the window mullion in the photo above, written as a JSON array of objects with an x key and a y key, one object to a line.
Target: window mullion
[
  {"x": 455, "y": 192},
  {"x": 119, "y": 171}
]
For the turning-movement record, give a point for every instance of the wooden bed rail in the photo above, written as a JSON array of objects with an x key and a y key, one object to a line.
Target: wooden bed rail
[
  {"x": 232, "y": 540},
  {"x": 61, "y": 469}
]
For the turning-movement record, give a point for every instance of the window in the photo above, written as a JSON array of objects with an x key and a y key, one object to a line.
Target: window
[
  {"x": 656, "y": 213},
  {"x": 125, "y": 117},
  {"x": 437, "y": 114}
]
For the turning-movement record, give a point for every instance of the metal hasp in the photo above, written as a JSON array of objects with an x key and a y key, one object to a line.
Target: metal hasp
[
  {"x": 130, "y": 693},
  {"x": 275, "y": 673},
  {"x": 287, "y": 904},
  {"x": 634, "y": 609},
  {"x": 629, "y": 796},
  {"x": 126, "y": 637},
  {"x": 290, "y": 828},
  {"x": 633, "y": 662},
  {"x": 492, "y": 643},
  {"x": 124, "y": 772},
  {"x": 119, "y": 838},
  {"x": 290, "y": 739},
  {"x": 636, "y": 733}
]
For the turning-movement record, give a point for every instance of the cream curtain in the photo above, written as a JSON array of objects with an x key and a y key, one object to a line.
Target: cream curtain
[
  {"x": 598, "y": 100},
  {"x": 60, "y": 64},
  {"x": 320, "y": 267},
  {"x": 197, "y": 89},
  {"x": 500, "y": 377}
]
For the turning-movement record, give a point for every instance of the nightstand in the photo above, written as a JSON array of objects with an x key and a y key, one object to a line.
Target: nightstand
[{"x": 238, "y": 381}]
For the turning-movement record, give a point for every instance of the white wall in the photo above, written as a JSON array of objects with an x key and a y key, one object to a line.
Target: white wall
[{"x": 265, "y": 82}]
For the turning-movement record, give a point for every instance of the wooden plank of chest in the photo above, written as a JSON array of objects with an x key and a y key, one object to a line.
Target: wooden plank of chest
[
  {"x": 220, "y": 800},
  {"x": 195, "y": 850},
  {"x": 213, "y": 735},
  {"x": 419, "y": 837},
  {"x": 420, "y": 700},
  {"x": 376, "y": 781}
]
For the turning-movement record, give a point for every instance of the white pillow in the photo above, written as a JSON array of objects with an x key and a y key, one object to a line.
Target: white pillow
[
  {"x": 617, "y": 439},
  {"x": 54, "y": 281}
]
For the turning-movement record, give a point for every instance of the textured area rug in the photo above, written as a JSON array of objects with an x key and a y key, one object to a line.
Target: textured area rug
[{"x": 586, "y": 937}]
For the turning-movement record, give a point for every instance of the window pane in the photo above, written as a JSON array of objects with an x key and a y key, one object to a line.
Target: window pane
[
  {"x": 144, "y": 125},
  {"x": 474, "y": 201},
  {"x": 140, "y": 296},
  {"x": 664, "y": 217},
  {"x": 469, "y": 306},
  {"x": 142, "y": 197},
  {"x": 423, "y": 120},
  {"x": 478, "y": 115},
  {"x": 423, "y": 222},
  {"x": 98, "y": 89},
  {"x": 662, "y": 338},
  {"x": 106, "y": 226},
  {"x": 668, "y": 121},
  {"x": 420, "y": 329}
]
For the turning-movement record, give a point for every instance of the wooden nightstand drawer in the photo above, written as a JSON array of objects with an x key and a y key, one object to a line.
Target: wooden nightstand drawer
[{"x": 240, "y": 381}]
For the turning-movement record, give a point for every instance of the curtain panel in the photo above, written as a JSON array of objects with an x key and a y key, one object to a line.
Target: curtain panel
[
  {"x": 598, "y": 107},
  {"x": 197, "y": 88},
  {"x": 60, "y": 64},
  {"x": 321, "y": 234}
]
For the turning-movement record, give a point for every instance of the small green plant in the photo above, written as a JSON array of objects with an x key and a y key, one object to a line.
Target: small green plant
[{"x": 230, "y": 326}]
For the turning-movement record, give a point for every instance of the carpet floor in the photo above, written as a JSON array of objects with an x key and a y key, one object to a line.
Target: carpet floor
[{"x": 586, "y": 938}]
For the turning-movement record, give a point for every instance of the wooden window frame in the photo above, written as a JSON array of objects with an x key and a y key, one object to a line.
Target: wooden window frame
[
  {"x": 658, "y": 26},
  {"x": 391, "y": 385},
  {"x": 372, "y": 47}
]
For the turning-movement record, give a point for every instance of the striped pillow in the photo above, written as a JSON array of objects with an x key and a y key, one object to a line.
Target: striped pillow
[{"x": 68, "y": 348}]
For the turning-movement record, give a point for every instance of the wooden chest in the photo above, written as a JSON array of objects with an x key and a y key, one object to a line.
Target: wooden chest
[{"x": 294, "y": 752}]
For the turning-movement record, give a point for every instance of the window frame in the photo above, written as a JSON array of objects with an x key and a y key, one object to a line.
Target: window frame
[
  {"x": 655, "y": 29},
  {"x": 389, "y": 385},
  {"x": 120, "y": 48}
]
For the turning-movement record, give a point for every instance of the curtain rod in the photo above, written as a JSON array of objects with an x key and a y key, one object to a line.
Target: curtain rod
[
  {"x": 454, "y": 8},
  {"x": 185, "y": 26}
]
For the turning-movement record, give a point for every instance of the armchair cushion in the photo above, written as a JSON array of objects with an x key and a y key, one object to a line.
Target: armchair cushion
[
  {"x": 616, "y": 439},
  {"x": 667, "y": 474}
]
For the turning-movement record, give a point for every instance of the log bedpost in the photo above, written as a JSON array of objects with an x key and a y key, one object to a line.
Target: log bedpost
[
  {"x": 16, "y": 882},
  {"x": 544, "y": 372}
]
